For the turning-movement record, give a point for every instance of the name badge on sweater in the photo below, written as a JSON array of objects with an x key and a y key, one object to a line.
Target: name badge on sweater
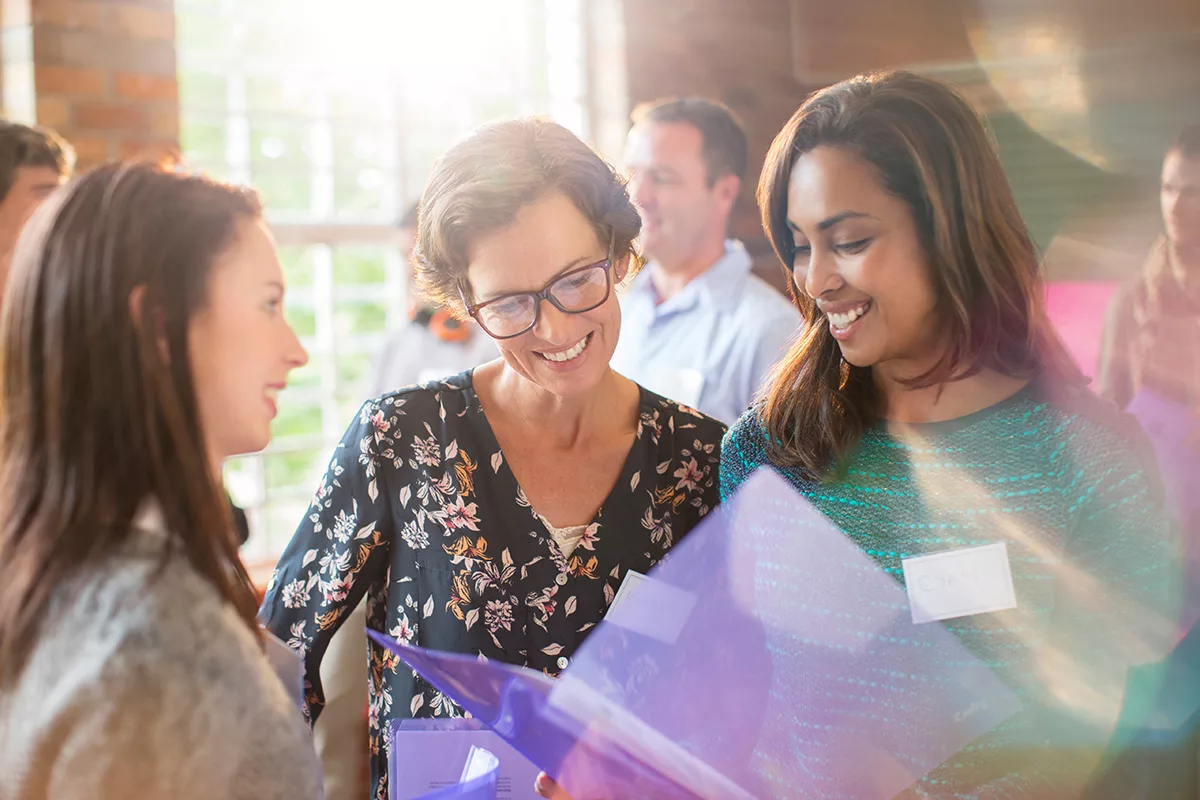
[{"x": 959, "y": 583}]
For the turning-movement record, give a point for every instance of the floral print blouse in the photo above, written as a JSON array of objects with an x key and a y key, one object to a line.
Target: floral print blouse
[{"x": 420, "y": 512}]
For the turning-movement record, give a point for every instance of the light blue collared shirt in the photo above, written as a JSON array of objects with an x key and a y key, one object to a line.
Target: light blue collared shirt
[{"x": 711, "y": 345}]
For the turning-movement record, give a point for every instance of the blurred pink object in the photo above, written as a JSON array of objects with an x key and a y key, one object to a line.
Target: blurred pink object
[{"x": 1077, "y": 309}]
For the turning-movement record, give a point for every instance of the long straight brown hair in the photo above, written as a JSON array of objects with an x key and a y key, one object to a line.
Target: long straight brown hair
[
  {"x": 931, "y": 150},
  {"x": 98, "y": 410}
]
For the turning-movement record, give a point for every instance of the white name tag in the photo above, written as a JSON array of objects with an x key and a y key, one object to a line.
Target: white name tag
[
  {"x": 671, "y": 607},
  {"x": 959, "y": 583}
]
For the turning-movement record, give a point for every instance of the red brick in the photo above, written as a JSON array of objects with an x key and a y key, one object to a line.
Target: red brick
[
  {"x": 138, "y": 22},
  {"x": 149, "y": 148},
  {"x": 78, "y": 81},
  {"x": 164, "y": 121},
  {"x": 54, "y": 112},
  {"x": 111, "y": 117},
  {"x": 90, "y": 150},
  {"x": 69, "y": 13},
  {"x": 146, "y": 87}
]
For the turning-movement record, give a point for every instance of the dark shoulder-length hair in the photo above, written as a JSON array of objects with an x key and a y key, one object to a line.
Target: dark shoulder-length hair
[
  {"x": 98, "y": 409},
  {"x": 931, "y": 150}
]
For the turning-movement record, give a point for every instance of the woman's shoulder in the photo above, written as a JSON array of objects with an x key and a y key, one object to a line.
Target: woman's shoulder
[
  {"x": 747, "y": 435},
  {"x": 680, "y": 419},
  {"x": 435, "y": 405},
  {"x": 142, "y": 654},
  {"x": 1097, "y": 432},
  {"x": 421, "y": 398}
]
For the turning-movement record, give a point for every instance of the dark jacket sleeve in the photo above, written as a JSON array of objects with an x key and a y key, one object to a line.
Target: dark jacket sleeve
[{"x": 339, "y": 549}]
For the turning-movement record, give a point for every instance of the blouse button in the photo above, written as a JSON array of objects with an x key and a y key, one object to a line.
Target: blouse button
[
  {"x": 562, "y": 662},
  {"x": 561, "y": 579}
]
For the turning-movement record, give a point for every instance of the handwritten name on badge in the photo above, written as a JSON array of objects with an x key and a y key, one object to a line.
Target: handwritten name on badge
[{"x": 959, "y": 583}]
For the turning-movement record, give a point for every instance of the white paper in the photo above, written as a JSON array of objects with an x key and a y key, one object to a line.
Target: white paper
[
  {"x": 479, "y": 763},
  {"x": 959, "y": 583},
  {"x": 432, "y": 758},
  {"x": 672, "y": 607}
]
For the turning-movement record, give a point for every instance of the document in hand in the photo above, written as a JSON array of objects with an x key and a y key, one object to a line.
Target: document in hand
[{"x": 765, "y": 657}]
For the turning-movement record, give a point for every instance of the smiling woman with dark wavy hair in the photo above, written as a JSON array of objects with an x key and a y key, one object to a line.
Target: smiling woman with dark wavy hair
[{"x": 930, "y": 407}]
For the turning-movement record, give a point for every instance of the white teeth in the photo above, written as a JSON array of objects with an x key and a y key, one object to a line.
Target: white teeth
[
  {"x": 573, "y": 353},
  {"x": 845, "y": 319}
]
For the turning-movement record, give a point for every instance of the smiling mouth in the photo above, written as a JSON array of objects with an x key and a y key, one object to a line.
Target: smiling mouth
[
  {"x": 568, "y": 355},
  {"x": 842, "y": 321}
]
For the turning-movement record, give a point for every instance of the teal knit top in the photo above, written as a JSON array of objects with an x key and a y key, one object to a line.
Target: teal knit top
[{"x": 1070, "y": 487}]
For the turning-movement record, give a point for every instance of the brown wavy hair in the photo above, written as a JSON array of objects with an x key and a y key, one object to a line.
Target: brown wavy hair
[
  {"x": 931, "y": 150},
  {"x": 98, "y": 411},
  {"x": 482, "y": 182}
]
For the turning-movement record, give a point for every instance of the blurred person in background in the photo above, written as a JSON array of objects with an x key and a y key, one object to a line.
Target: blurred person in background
[
  {"x": 434, "y": 343},
  {"x": 33, "y": 163},
  {"x": 698, "y": 326},
  {"x": 142, "y": 342},
  {"x": 1150, "y": 349},
  {"x": 1152, "y": 336}
]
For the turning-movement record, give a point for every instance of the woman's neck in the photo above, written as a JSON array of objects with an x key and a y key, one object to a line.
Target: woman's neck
[
  {"x": 945, "y": 401},
  {"x": 563, "y": 421}
]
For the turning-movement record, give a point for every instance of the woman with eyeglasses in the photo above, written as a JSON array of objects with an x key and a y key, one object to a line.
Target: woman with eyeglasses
[{"x": 498, "y": 511}]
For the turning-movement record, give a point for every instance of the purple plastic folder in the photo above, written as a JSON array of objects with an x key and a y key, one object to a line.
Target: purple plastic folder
[{"x": 765, "y": 657}]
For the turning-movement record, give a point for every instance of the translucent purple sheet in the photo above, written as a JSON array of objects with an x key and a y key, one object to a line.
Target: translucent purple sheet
[{"x": 767, "y": 657}]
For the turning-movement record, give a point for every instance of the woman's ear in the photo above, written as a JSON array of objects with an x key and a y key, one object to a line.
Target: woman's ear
[
  {"x": 621, "y": 268},
  {"x": 138, "y": 313}
]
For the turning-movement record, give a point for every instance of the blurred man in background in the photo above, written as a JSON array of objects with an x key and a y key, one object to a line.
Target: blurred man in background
[
  {"x": 1150, "y": 352},
  {"x": 33, "y": 163},
  {"x": 697, "y": 325},
  {"x": 1152, "y": 336}
]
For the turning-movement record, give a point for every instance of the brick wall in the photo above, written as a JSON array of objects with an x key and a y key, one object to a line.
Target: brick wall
[
  {"x": 1139, "y": 73},
  {"x": 100, "y": 72}
]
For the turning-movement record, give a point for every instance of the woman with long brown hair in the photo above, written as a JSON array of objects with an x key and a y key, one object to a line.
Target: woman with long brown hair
[
  {"x": 142, "y": 342},
  {"x": 929, "y": 407}
]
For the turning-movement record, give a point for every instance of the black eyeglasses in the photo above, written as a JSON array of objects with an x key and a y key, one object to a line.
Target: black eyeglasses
[{"x": 574, "y": 292}]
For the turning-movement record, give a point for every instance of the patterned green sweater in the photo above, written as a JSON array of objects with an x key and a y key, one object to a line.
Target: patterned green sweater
[{"x": 1071, "y": 489}]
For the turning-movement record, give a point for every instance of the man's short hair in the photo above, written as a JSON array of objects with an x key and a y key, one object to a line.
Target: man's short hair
[
  {"x": 1187, "y": 143},
  {"x": 26, "y": 146},
  {"x": 723, "y": 138}
]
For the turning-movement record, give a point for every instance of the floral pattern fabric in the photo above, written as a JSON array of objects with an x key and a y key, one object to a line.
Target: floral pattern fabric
[{"x": 419, "y": 511}]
